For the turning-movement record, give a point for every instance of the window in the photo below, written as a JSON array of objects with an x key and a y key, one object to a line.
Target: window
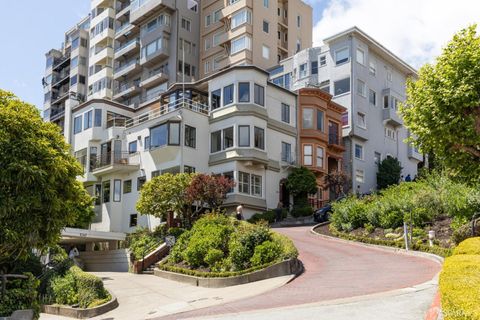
[
  {"x": 243, "y": 182},
  {"x": 389, "y": 74},
  {"x": 73, "y": 80},
  {"x": 98, "y": 118},
  {"x": 133, "y": 220},
  {"x": 361, "y": 88},
  {"x": 345, "y": 119},
  {"x": 372, "y": 68},
  {"x": 81, "y": 79},
  {"x": 259, "y": 138},
  {"x": 299, "y": 21},
  {"x": 215, "y": 99},
  {"x": 285, "y": 113},
  {"x": 132, "y": 147},
  {"x": 394, "y": 103},
  {"x": 307, "y": 118},
  {"x": 385, "y": 101},
  {"x": 117, "y": 190},
  {"x": 188, "y": 169},
  {"x": 158, "y": 136},
  {"x": 390, "y": 133},
  {"x": 174, "y": 133},
  {"x": 287, "y": 152},
  {"x": 314, "y": 67},
  {"x": 341, "y": 56},
  {"x": 341, "y": 86},
  {"x": 87, "y": 120},
  {"x": 206, "y": 66},
  {"x": 155, "y": 173},
  {"x": 360, "y": 56},
  {"x": 98, "y": 194},
  {"x": 146, "y": 143},
  {"x": 259, "y": 95},
  {"x": 127, "y": 186},
  {"x": 74, "y": 62},
  {"x": 208, "y": 20},
  {"x": 77, "y": 125},
  {"x": 241, "y": 17},
  {"x": 140, "y": 182},
  {"x": 216, "y": 141},
  {"x": 217, "y": 38},
  {"x": 320, "y": 120},
  {"x": 377, "y": 157},
  {"x": 207, "y": 44},
  {"x": 372, "y": 97},
  {"x": 106, "y": 191},
  {"x": 93, "y": 157},
  {"x": 244, "y": 92},
  {"x": 228, "y": 95},
  {"x": 307, "y": 154},
  {"x": 240, "y": 44},
  {"x": 229, "y": 175},
  {"x": 265, "y": 52},
  {"x": 302, "y": 71},
  {"x": 256, "y": 185},
  {"x": 190, "y": 136},
  {"x": 244, "y": 136},
  {"x": 361, "y": 120},
  {"x": 216, "y": 15},
  {"x": 75, "y": 43},
  {"x": 323, "y": 60},
  {"x": 265, "y": 26},
  {"x": 227, "y": 138},
  {"x": 186, "y": 24},
  {"x": 358, "y": 152},
  {"x": 320, "y": 157},
  {"x": 265, "y": 3},
  {"x": 359, "y": 176}
]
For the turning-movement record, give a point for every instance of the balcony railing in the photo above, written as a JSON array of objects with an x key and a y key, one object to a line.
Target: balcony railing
[
  {"x": 125, "y": 86},
  {"x": 288, "y": 158},
  {"x": 124, "y": 45},
  {"x": 126, "y": 65},
  {"x": 110, "y": 159},
  {"x": 116, "y": 122},
  {"x": 334, "y": 139}
]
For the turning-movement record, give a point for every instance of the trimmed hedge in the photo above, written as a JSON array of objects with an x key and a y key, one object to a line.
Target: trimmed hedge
[
  {"x": 460, "y": 285},
  {"x": 469, "y": 246}
]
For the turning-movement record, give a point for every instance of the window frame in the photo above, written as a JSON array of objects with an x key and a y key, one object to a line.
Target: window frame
[
  {"x": 323, "y": 156},
  {"x": 132, "y": 147},
  {"x": 231, "y": 88},
  {"x": 117, "y": 187},
  {"x": 190, "y": 137},
  {"x": 127, "y": 186},
  {"x": 344, "y": 60},
  {"x": 361, "y": 151},
  {"x": 239, "y": 87},
  {"x": 303, "y": 117},
  {"x": 362, "y": 62},
  {"x": 240, "y": 127},
  {"x": 261, "y": 132},
  {"x": 306, "y": 156},
  {"x": 285, "y": 109},
  {"x": 338, "y": 81},
  {"x": 259, "y": 95}
]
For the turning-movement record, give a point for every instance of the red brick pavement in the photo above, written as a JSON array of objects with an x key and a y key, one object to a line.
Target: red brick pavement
[{"x": 333, "y": 270}]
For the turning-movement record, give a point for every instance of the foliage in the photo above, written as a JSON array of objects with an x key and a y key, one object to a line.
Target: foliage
[
  {"x": 268, "y": 216},
  {"x": 469, "y": 246},
  {"x": 265, "y": 253},
  {"x": 243, "y": 244},
  {"x": 21, "y": 294},
  {"x": 301, "y": 182},
  {"x": 338, "y": 181},
  {"x": 64, "y": 289},
  {"x": 208, "y": 190},
  {"x": 388, "y": 174},
  {"x": 460, "y": 287},
  {"x": 464, "y": 232},
  {"x": 40, "y": 194},
  {"x": 443, "y": 106},
  {"x": 302, "y": 211}
]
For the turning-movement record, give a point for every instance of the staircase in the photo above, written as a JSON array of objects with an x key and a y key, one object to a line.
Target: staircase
[{"x": 147, "y": 265}]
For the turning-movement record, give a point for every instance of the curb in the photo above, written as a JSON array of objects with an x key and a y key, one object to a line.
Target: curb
[{"x": 435, "y": 309}]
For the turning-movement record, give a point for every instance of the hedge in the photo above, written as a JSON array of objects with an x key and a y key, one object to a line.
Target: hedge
[
  {"x": 469, "y": 246},
  {"x": 460, "y": 287}
]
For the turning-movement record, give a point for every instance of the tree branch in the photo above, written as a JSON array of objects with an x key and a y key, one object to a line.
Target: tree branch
[{"x": 471, "y": 150}]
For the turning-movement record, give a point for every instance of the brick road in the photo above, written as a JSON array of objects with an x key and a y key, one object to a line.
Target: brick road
[{"x": 333, "y": 270}]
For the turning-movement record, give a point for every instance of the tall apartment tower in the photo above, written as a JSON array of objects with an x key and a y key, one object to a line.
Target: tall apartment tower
[
  {"x": 65, "y": 80},
  {"x": 256, "y": 32},
  {"x": 369, "y": 81}
]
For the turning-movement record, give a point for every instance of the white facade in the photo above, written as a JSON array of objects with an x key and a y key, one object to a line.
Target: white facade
[
  {"x": 370, "y": 82},
  {"x": 239, "y": 134}
]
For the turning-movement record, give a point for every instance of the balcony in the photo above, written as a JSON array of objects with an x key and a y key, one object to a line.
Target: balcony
[
  {"x": 127, "y": 48},
  {"x": 288, "y": 159},
  {"x": 335, "y": 142},
  {"x": 128, "y": 67},
  {"x": 59, "y": 96},
  {"x": 154, "y": 78},
  {"x": 142, "y": 10},
  {"x": 56, "y": 114},
  {"x": 125, "y": 90},
  {"x": 390, "y": 116},
  {"x": 61, "y": 63},
  {"x": 413, "y": 153},
  {"x": 122, "y": 9},
  {"x": 61, "y": 78},
  {"x": 111, "y": 162},
  {"x": 125, "y": 30},
  {"x": 159, "y": 55}
]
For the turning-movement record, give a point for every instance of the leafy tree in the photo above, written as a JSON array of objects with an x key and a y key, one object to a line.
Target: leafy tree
[
  {"x": 388, "y": 172},
  {"x": 300, "y": 183},
  {"x": 443, "y": 106},
  {"x": 209, "y": 190},
  {"x": 338, "y": 181},
  {"x": 39, "y": 193}
]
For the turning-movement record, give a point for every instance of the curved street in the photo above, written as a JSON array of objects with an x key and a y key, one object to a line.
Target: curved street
[{"x": 333, "y": 270}]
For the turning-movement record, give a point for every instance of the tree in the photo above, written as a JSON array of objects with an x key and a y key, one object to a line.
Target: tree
[
  {"x": 209, "y": 190},
  {"x": 388, "y": 172},
  {"x": 443, "y": 106},
  {"x": 338, "y": 181},
  {"x": 165, "y": 193},
  {"x": 39, "y": 193},
  {"x": 300, "y": 183}
]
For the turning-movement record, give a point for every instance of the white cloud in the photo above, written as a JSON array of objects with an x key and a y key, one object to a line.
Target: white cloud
[{"x": 415, "y": 30}]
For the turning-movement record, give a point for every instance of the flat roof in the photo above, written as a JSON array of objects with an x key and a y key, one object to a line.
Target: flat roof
[{"x": 84, "y": 235}]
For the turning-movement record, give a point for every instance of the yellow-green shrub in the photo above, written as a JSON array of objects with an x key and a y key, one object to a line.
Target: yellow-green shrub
[{"x": 469, "y": 246}]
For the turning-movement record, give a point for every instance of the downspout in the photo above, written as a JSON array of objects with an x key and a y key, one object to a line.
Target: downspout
[{"x": 351, "y": 114}]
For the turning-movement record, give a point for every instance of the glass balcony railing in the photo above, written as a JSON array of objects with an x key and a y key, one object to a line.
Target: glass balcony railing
[
  {"x": 126, "y": 65},
  {"x": 126, "y": 44}
]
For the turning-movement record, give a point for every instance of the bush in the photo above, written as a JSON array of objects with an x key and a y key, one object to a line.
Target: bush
[
  {"x": 302, "y": 211},
  {"x": 242, "y": 245},
  {"x": 213, "y": 257},
  {"x": 464, "y": 232},
  {"x": 64, "y": 289},
  {"x": 265, "y": 253},
  {"x": 289, "y": 251},
  {"x": 141, "y": 242},
  {"x": 90, "y": 288},
  {"x": 469, "y": 246},
  {"x": 21, "y": 294}
]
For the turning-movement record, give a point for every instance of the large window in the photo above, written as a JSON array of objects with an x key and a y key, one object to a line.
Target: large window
[
  {"x": 241, "y": 17},
  {"x": 228, "y": 95},
  {"x": 117, "y": 190},
  {"x": 341, "y": 56},
  {"x": 77, "y": 125},
  {"x": 372, "y": 97},
  {"x": 243, "y": 182},
  {"x": 302, "y": 70},
  {"x": 87, "y": 120},
  {"x": 341, "y": 86},
  {"x": 215, "y": 99},
  {"x": 320, "y": 157},
  {"x": 98, "y": 118},
  {"x": 287, "y": 152},
  {"x": 166, "y": 133},
  {"x": 174, "y": 133},
  {"x": 314, "y": 67},
  {"x": 240, "y": 44},
  {"x": 106, "y": 191},
  {"x": 216, "y": 141},
  {"x": 359, "y": 176},
  {"x": 358, "y": 152},
  {"x": 265, "y": 26},
  {"x": 285, "y": 113},
  {"x": 244, "y": 92},
  {"x": 259, "y": 138},
  {"x": 259, "y": 93},
  {"x": 132, "y": 147},
  {"x": 307, "y": 154},
  {"x": 256, "y": 185},
  {"x": 133, "y": 220},
  {"x": 227, "y": 138},
  {"x": 127, "y": 186},
  {"x": 307, "y": 118},
  {"x": 320, "y": 120},
  {"x": 244, "y": 136},
  {"x": 190, "y": 136}
]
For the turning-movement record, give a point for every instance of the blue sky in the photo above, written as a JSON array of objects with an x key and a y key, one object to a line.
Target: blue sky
[{"x": 414, "y": 30}]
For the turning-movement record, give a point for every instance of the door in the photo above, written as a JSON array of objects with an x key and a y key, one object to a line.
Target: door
[{"x": 106, "y": 153}]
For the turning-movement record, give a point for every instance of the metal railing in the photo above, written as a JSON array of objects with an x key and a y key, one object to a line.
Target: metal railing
[
  {"x": 288, "y": 157},
  {"x": 112, "y": 158},
  {"x": 116, "y": 122},
  {"x": 125, "y": 86},
  {"x": 167, "y": 108}
]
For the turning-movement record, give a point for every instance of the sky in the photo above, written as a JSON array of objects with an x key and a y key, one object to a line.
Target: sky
[{"x": 415, "y": 30}]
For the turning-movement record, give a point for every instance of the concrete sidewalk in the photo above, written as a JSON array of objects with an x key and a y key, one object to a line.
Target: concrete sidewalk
[{"x": 148, "y": 296}]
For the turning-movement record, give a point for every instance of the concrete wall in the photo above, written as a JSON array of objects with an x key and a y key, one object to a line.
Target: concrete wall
[{"x": 107, "y": 260}]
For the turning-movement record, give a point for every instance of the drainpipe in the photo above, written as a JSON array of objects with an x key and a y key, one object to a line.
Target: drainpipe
[{"x": 352, "y": 144}]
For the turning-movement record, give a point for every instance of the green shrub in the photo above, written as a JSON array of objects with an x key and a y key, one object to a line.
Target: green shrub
[
  {"x": 176, "y": 232},
  {"x": 143, "y": 245},
  {"x": 302, "y": 211},
  {"x": 289, "y": 251},
  {"x": 243, "y": 243},
  {"x": 469, "y": 246},
  {"x": 265, "y": 253},
  {"x": 20, "y": 294},
  {"x": 64, "y": 289},
  {"x": 176, "y": 253},
  {"x": 213, "y": 257},
  {"x": 90, "y": 288},
  {"x": 460, "y": 287},
  {"x": 349, "y": 214},
  {"x": 464, "y": 232}
]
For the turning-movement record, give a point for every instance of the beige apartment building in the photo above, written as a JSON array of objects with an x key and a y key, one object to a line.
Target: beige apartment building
[{"x": 255, "y": 32}]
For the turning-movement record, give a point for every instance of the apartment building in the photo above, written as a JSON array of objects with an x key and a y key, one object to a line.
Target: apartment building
[
  {"x": 369, "y": 81},
  {"x": 256, "y": 32},
  {"x": 65, "y": 80},
  {"x": 232, "y": 123}
]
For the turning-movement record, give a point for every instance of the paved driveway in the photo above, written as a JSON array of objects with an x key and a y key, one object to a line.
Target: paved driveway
[{"x": 335, "y": 270}]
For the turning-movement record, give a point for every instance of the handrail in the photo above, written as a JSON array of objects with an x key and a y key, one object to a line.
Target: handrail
[
  {"x": 111, "y": 158},
  {"x": 167, "y": 108}
]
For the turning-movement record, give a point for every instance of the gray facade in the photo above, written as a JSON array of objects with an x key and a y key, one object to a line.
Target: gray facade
[{"x": 369, "y": 81}]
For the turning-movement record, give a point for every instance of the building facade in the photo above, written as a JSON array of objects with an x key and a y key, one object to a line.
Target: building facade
[{"x": 370, "y": 82}]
